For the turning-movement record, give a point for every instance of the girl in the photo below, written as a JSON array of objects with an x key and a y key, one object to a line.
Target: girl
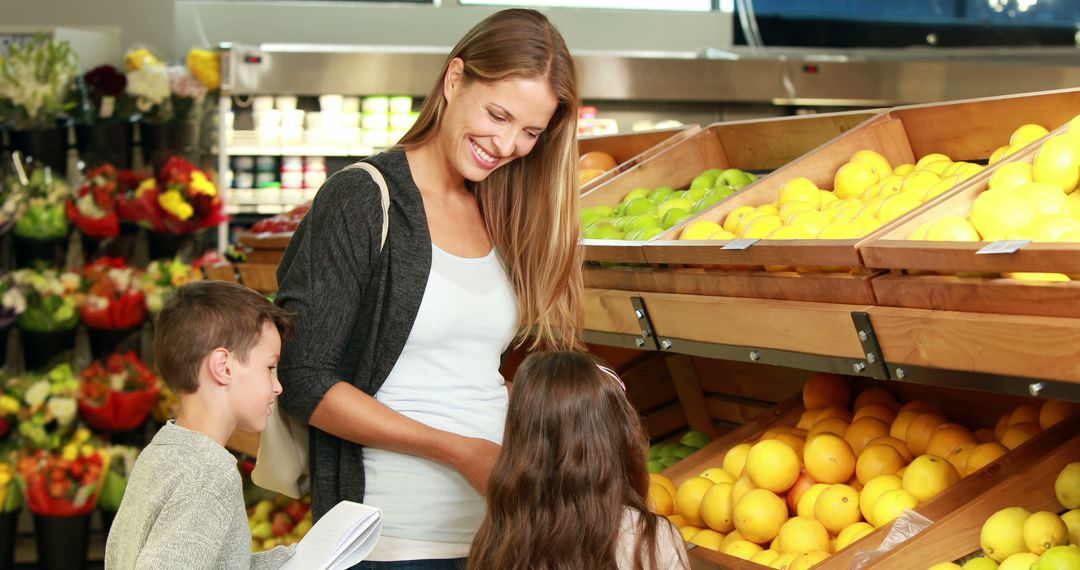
[
  {"x": 395, "y": 358},
  {"x": 568, "y": 490}
]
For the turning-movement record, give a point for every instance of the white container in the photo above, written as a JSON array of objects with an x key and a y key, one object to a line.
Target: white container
[
  {"x": 268, "y": 135},
  {"x": 351, "y": 105},
  {"x": 243, "y": 163},
  {"x": 293, "y": 196},
  {"x": 351, "y": 120},
  {"x": 400, "y": 104},
  {"x": 266, "y": 119},
  {"x": 313, "y": 179},
  {"x": 244, "y": 180},
  {"x": 309, "y": 193},
  {"x": 264, "y": 178},
  {"x": 292, "y": 135},
  {"x": 375, "y": 105},
  {"x": 315, "y": 163},
  {"x": 226, "y": 103},
  {"x": 227, "y": 178},
  {"x": 285, "y": 102},
  {"x": 292, "y": 163},
  {"x": 230, "y": 120},
  {"x": 262, "y": 103},
  {"x": 401, "y": 121},
  {"x": 331, "y": 102},
  {"x": 265, "y": 164},
  {"x": 313, "y": 120},
  {"x": 244, "y": 195},
  {"x": 292, "y": 119},
  {"x": 270, "y": 195},
  {"x": 376, "y": 121},
  {"x": 292, "y": 179}
]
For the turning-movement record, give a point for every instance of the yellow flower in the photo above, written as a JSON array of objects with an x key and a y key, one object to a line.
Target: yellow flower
[
  {"x": 205, "y": 66},
  {"x": 202, "y": 185},
  {"x": 8, "y": 404},
  {"x": 173, "y": 203},
  {"x": 81, "y": 435},
  {"x": 70, "y": 452},
  {"x": 136, "y": 59},
  {"x": 144, "y": 186},
  {"x": 179, "y": 279},
  {"x": 87, "y": 450}
]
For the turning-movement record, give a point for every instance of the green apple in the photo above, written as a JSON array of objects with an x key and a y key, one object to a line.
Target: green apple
[
  {"x": 589, "y": 216},
  {"x": 753, "y": 177},
  {"x": 668, "y": 450},
  {"x": 669, "y": 461},
  {"x": 660, "y": 194},
  {"x": 603, "y": 230},
  {"x": 605, "y": 211},
  {"x": 674, "y": 195},
  {"x": 677, "y": 204},
  {"x": 714, "y": 172},
  {"x": 655, "y": 466},
  {"x": 684, "y": 451},
  {"x": 695, "y": 439},
  {"x": 709, "y": 199},
  {"x": 723, "y": 190},
  {"x": 695, "y": 194},
  {"x": 620, "y": 222},
  {"x": 654, "y": 451},
  {"x": 639, "y": 206},
  {"x": 634, "y": 194},
  {"x": 645, "y": 234},
  {"x": 673, "y": 217},
  {"x": 735, "y": 178},
  {"x": 702, "y": 181},
  {"x": 640, "y": 222}
]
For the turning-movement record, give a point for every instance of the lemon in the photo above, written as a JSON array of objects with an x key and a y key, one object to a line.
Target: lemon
[
  {"x": 1002, "y": 534},
  {"x": 846, "y": 212},
  {"x": 688, "y": 499},
  {"x": 783, "y": 562},
  {"x": 707, "y": 538},
  {"x": 700, "y": 230},
  {"x": 790, "y": 208},
  {"x": 895, "y": 206},
  {"x": 873, "y": 489},
  {"x": 933, "y": 157},
  {"x": 735, "y": 459},
  {"x": 740, "y": 487},
  {"x": 938, "y": 189},
  {"x": 980, "y": 563},
  {"x": 800, "y": 189},
  {"x": 951, "y": 228},
  {"x": 731, "y": 222},
  {"x": 1032, "y": 276},
  {"x": 893, "y": 184},
  {"x": 660, "y": 500},
  {"x": 828, "y": 197},
  {"x": 807, "y": 560},
  {"x": 802, "y": 534},
  {"x": 759, "y": 515},
  {"x": 837, "y": 508},
  {"x": 1019, "y": 561},
  {"x": 810, "y": 220},
  {"x": 731, "y": 537},
  {"x": 1050, "y": 227},
  {"x": 1045, "y": 198},
  {"x": 1059, "y": 558},
  {"x": 689, "y": 531},
  {"x": 879, "y": 163},
  {"x": 772, "y": 465},
  {"x": 1072, "y": 521},
  {"x": 946, "y": 566},
  {"x": 1074, "y": 204},
  {"x": 1058, "y": 163},
  {"x": 678, "y": 521},
  {"x": 929, "y": 475},
  {"x": 1010, "y": 176},
  {"x": 866, "y": 224},
  {"x": 998, "y": 154},
  {"x": 762, "y": 226},
  {"x": 716, "y": 508},
  {"x": 839, "y": 230},
  {"x": 851, "y": 534},
  {"x": 853, "y": 178},
  {"x": 765, "y": 557},
  {"x": 937, "y": 167},
  {"x": 1044, "y": 530},
  {"x": 968, "y": 170},
  {"x": 904, "y": 169},
  {"x": 664, "y": 481},
  {"x": 996, "y": 214},
  {"x": 1067, "y": 486},
  {"x": 1027, "y": 134},
  {"x": 749, "y": 219},
  {"x": 920, "y": 232},
  {"x": 892, "y": 504},
  {"x": 742, "y": 549},
  {"x": 717, "y": 475}
]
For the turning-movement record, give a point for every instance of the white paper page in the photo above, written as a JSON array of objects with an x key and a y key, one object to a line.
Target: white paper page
[{"x": 339, "y": 540}]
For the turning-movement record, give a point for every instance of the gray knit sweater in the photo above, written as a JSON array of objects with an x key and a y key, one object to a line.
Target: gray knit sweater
[
  {"x": 354, "y": 304},
  {"x": 184, "y": 509}
]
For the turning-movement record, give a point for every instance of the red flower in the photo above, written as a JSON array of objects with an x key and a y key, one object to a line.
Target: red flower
[{"x": 105, "y": 80}]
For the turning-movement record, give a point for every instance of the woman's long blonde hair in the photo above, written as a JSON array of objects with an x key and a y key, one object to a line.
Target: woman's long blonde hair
[{"x": 529, "y": 205}]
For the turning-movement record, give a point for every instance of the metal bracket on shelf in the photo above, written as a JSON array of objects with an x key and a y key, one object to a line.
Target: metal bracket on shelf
[
  {"x": 1013, "y": 385},
  {"x": 617, "y": 339},
  {"x": 874, "y": 365},
  {"x": 648, "y": 334},
  {"x": 774, "y": 357}
]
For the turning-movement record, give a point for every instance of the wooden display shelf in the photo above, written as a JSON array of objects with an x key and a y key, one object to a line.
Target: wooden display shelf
[
  {"x": 265, "y": 248},
  {"x": 631, "y": 149},
  {"x": 261, "y": 277},
  {"x": 979, "y": 294},
  {"x": 759, "y": 145},
  {"x": 221, "y": 272}
]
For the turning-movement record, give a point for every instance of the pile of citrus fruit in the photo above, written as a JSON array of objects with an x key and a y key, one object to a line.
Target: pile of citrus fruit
[
  {"x": 592, "y": 165},
  {"x": 798, "y": 494}
]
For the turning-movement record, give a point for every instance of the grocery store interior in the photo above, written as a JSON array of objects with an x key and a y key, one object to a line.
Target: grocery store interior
[{"x": 831, "y": 248}]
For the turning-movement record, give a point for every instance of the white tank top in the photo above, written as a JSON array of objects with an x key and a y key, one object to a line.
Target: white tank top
[{"x": 448, "y": 378}]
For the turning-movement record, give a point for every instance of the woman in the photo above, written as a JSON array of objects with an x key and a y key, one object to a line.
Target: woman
[{"x": 396, "y": 353}]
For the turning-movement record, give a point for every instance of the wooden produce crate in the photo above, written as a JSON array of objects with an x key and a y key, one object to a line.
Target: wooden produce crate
[
  {"x": 265, "y": 248},
  {"x": 760, "y": 145},
  {"x": 221, "y": 272},
  {"x": 902, "y": 135},
  {"x": 982, "y": 289},
  {"x": 261, "y": 277},
  {"x": 631, "y": 149},
  {"x": 975, "y": 410}
]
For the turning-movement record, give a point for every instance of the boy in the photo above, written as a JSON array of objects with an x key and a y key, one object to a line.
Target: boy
[{"x": 216, "y": 345}]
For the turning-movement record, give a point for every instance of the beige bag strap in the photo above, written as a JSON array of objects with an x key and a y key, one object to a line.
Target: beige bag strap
[{"x": 381, "y": 182}]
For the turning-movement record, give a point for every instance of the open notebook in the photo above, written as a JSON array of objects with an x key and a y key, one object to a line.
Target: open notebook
[{"x": 340, "y": 540}]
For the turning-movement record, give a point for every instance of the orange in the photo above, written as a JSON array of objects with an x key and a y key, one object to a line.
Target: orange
[
  {"x": 877, "y": 460},
  {"x": 875, "y": 395},
  {"x": 707, "y": 538},
  {"x": 791, "y": 440},
  {"x": 823, "y": 390},
  {"x": 920, "y": 429},
  {"x": 802, "y": 534},
  {"x": 716, "y": 508},
  {"x": 741, "y": 487},
  {"x": 660, "y": 500},
  {"x": 1017, "y": 434},
  {"x": 772, "y": 465},
  {"x": 890, "y": 505},
  {"x": 688, "y": 499},
  {"x": 759, "y": 515},
  {"x": 984, "y": 435},
  {"x": 864, "y": 429},
  {"x": 771, "y": 433},
  {"x": 742, "y": 549},
  {"x": 1000, "y": 427},
  {"x": 880, "y": 411},
  {"x": 947, "y": 437},
  {"x": 808, "y": 560},
  {"x": 809, "y": 500},
  {"x": 830, "y": 425},
  {"x": 834, "y": 412},
  {"x": 897, "y": 444},
  {"x": 837, "y": 508},
  {"x": 983, "y": 455},
  {"x": 806, "y": 420},
  {"x": 901, "y": 423},
  {"x": 735, "y": 459},
  {"x": 958, "y": 456},
  {"x": 852, "y": 534},
  {"x": 929, "y": 475},
  {"x": 799, "y": 431},
  {"x": 1024, "y": 413},
  {"x": 1053, "y": 411},
  {"x": 829, "y": 459},
  {"x": 874, "y": 489},
  {"x": 596, "y": 160},
  {"x": 923, "y": 405}
]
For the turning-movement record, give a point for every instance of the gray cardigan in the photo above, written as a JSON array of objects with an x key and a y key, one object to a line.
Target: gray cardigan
[{"x": 354, "y": 305}]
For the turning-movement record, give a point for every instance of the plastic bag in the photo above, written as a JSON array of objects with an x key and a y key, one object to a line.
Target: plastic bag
[{"x": 907, "y": 525}]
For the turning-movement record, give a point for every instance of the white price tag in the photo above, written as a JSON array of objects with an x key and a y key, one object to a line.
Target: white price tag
[
  {"x": 108, "y": 106},
  {"x": 740, "y": 244},
  {"x": 1004, "y": 246}
]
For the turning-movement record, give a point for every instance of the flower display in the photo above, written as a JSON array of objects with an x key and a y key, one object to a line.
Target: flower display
[
  {"x": 10, "y": 497},
  {"x": 39, "y": 205},
  {"x": 106, "y": 92},
  {"x": 45, "y": 300},
  {"x": 180, "y": 200},
  {"x": 95, "y": 209},
  {"x": 117, "y": 394},
  {"x": 9, "y": 408},
  {"x": 12, "y": 303},
  {"x": 163, "y": 278},
  {"x": 121, "y": 462},
  {"x": 113, "y": 296},
  {"x": 66, "y": 482},
  {"x": 48, "y": 406},
  {"x": 34, "y": 82},
  {"x": 205, "y": 66},
  {"x": 148, "y": 83}
]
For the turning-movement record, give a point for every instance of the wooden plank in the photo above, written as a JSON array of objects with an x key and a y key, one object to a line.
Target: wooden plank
[
  {"x": 785, "y": 414},
  {"x": 244, "y": 442},
  {"x": 613, "y": 250},
  {"x": 761, "y": 382},
  {"x": 812, "y": 328},
  {"x": 261, "y": 277},
  {"x": 1026, "y": 346},
  {"x": 765, "y": 252},
  {"x": 649, "y": 386},
  {"x": 768, "y": 144},
  {"x": 685, "y": 381},
  {"x": 969, "y": 491},
  {"x": 221, "y": 272},
  {"x": 610, "y": 311},
  {"x": 720, "y": 560},
  {"x": 728, "y": 410},
  {"x": 665, "y": 421},
  {"x": 980, "y": 295}
]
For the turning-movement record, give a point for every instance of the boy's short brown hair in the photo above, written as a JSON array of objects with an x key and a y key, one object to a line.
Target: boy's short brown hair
[{"x": 207, "y": 315}]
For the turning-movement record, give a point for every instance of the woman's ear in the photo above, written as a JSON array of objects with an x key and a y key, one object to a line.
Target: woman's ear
[
  {"x": 218, "y": 364},
  {"x": 455, "y": 73}
]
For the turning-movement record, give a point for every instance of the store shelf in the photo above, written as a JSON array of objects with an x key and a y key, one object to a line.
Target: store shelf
[{"x": 247, "y": 143}]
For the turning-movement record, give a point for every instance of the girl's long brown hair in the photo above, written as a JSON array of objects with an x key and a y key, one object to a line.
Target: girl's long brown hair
[
  {"x": 530, "y": 205},
  {"x": 572, "y": 462}
]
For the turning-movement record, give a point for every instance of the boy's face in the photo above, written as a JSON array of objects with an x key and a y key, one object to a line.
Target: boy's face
[{"x": 255, "y": 382}]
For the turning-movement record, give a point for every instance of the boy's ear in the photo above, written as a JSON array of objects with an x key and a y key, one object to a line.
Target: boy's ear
[{"x": 218, "y": 364}]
